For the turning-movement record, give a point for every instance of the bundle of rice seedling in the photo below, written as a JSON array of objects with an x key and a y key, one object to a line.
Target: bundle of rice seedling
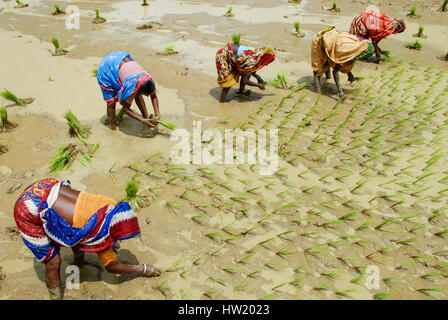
[
  {"x": 229, "y": 12},
  {"x": 20, "y": 4},
  {"x": 8, "y": 95},
  {"x": 444, "y": 6},
  {"x": 74, "y": 126},
  {"x": 236, "y": 38},
  {"x": 63, "y": 159},
  {"x": 415, "y": 46},
  {"x": 58, "y": 51},
  {"x": 168, "y": 50},
  {"x": 98, "y": 19},
  {"x": 5, "y": 124},
  {"x": 280, "y": 81},
  {"x": 58, "y": 10},
  {"x": 120, "y": 115},
  {"x": 167, "y": 124},
  {"x": 95, "y": 72},
  {"x": 420, "y": 34},
  {"x": 298, "y": 29},
  {"x": 132, "y": 197},
  {"x": 3, "y": 148},
  {"x": 334, "y": 8},
  {"x": 145, "y": 3},
  {"x": 413, "y": 12}
]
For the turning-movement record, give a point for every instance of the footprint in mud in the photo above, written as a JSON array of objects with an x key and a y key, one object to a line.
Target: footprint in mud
[{"x": 149, "y": 26}]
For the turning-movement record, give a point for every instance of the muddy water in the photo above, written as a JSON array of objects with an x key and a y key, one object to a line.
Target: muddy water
[{"x": 237, "y": 263}]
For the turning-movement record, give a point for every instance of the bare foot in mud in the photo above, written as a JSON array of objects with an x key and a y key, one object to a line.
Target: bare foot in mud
[{"x": 246, "y": 93}]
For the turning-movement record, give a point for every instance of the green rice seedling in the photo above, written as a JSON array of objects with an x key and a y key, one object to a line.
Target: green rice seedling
[
  {"x": 145, "y": 3},
  {"x": 213, "y": 235},
  {"x": 420, "y": 34},
  {"x": 280, "y": 285},
  {"x": 5, "y": 124},
  {"x": 386, "y": 223},
  {"x": 359, "y": 279},
  {"x": 280, "y": 81},
  {"x": 242, "y": 285},
  {"x": 3, "y": 148},
  {"x": 95, "y": 73},
  {"x": 284, "y": 252},
  {"x": 177, "y": 263},
  {"x": 413, "y": 12},
  {"x": 215, "y": 252},
  {"x": 323, "y": 287},
  {"x": 255, "y": 273},
  {"x": 74, "y": 126},
  {"x": 429, "y": 276},
  {"x": 382, "y": 295},
  {"x": 444, "y": 6},
  {"x": 198, "y": 219},
  {"x": 415, "y": 46},
  {"x": 172, "y": 179},
  {"x": 441, "y": 233},
  {"x": 444, "y": 57},
  {"x": 334, "y": 8},
  {"x": 299, "y": 32},
  {"x": 8, "y": 95},
  {"x": 236, "y": 38},
  {"x": 209, "y": 294},
  {"x": 294, "y": 1},
  {"x": 63, "y": 159},
  {"x": 428, "y": 291},
  {"x": 132, "y": 197},
  {"x": 168, "y": 50},
  {"x": 358, "y": 186},
  {"x": 20, "y": 4},
  {"x": 229, "y": 12},
  {"x": 246, "y": 258},
  {"x": 58, "y": 51},
  {"x": 162, "y": 286},
  {"x": 58, "y": 10},
  {"x": 408, "y": 240},
  {"x": 172, "y": 205},
  {"x": 98, "y": 19}
]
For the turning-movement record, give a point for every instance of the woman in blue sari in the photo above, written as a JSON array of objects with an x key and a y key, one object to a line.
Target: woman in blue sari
[{"x": 123, "y": 80}]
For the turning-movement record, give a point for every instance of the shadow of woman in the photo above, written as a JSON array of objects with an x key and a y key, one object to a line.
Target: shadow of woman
[
  {"x": 91, "y": 271},
  {"x": 132, "y": 127}
]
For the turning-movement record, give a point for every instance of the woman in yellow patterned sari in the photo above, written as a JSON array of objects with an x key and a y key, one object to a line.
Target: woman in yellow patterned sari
[{"x": 333, "y": 49}]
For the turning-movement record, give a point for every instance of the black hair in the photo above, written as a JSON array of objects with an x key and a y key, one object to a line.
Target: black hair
[{"x": 148, "y": 87}]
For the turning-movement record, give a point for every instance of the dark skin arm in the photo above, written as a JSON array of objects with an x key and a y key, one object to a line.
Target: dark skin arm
[{"x": 245, "y": 80}]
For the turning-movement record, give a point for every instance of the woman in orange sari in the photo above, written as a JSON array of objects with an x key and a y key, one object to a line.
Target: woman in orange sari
[{"x": 376, "y": 26}]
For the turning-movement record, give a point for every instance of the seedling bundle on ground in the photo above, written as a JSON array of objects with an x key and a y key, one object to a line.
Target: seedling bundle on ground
[
  {"x": 145, "y": 3},
  {"x": 334, "y": 8},
  {"x": 98, "y": 19},
  {"x": 58, "y": 10},
  {"x": 413, "y": 12},
  {"x": 58, "y": 51},
  {"x": 8, "y": 95},
  {"x": 5, "y": 124},
  {"x": 420, "y": 34},
  {"x": 229, "y": 12},
  {"x": 20, "y": 4},
  {"x": 415, "y": 46},
  {"x": 299, "y": 32},
  {"x": 75, "y": 127},
  {"x": 168, "y": 50}
]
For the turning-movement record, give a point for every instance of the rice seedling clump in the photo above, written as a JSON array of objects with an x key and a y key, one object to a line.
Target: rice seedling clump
[
  {"x": 63, "y": 159},
  {"x": 58, "y": 51},
  {"x": 8, "y": 95},
  {"x": 58, "y": 10},
  {"x": 74, "y": 126},
  {"x": 98, "y": 19},
  {"x": 5, "y": 124}
]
